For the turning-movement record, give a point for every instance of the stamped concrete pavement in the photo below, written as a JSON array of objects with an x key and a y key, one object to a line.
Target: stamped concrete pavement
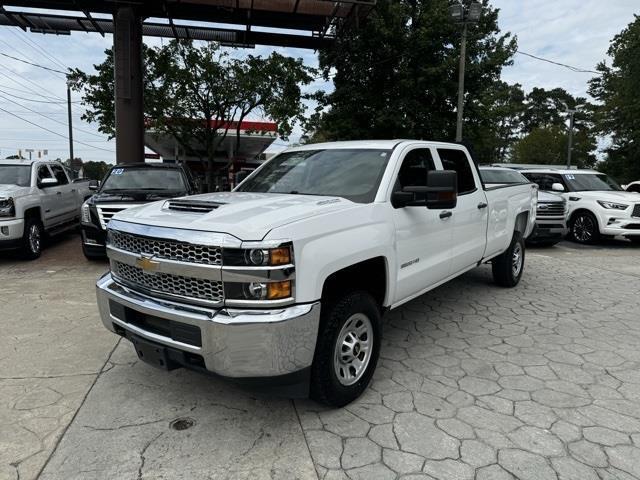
[{"x": 474, "y": 382}]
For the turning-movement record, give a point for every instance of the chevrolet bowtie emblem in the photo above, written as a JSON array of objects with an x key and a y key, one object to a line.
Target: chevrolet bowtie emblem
[{"x": 147, "y": 263}]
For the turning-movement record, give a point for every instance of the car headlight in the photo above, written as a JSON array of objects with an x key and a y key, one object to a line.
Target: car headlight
[
  {"x": 256, "y": 291},
  {"x": 257, "y": 257},
  {"x": 7, "y": 207},
  {"x": 85, "y": 214},
  {"x": 612, "y": 205}
]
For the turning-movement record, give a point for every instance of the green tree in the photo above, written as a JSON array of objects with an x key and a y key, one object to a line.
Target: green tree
[
  {"x": 548, "y": 146},
  {"x": 15, "y": 157},
  {"x": 397, "y": 74},
  {"x": 194, "y": 92},
  {"x": 618, "y": 112},
  {"x": 95, "y": 170}
]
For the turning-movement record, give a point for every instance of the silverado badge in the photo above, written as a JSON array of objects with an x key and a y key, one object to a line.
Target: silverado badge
[{"x": 147, "y": 263}]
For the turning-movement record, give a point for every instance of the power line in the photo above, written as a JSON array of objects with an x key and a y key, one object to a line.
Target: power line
[
  {"x": 52, "y": 132},
  {"x": 570, "y": 67},
  {"x": 26, "y": 80},
  {"x": 32, "y": 64},
  {"x": 34, "y": 100},
  {"x": 28, "y": 92},
  {"x": 51, "y": 119},
  {"x": 35, "y": 46}
]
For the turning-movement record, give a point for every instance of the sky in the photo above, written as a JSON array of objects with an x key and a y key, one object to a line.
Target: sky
[{"x": 574, "y": 32}]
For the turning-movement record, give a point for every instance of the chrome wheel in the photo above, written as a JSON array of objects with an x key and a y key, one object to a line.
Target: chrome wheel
[
  {"x": 353, "y": 349},
  {"x": 516, "y": 260},
  {"x": 583, "y": 229},
  {"x": 34, "y": 238}
]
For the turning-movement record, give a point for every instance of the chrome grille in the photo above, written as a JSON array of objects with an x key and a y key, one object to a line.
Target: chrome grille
[
  {"x": 106, "y": 212},
  {"x": 636, "y": 210},
  {"x": 167, "y": 249},
  {"x": 555, "y": 209},
  {"x": 164, "y": 283}
]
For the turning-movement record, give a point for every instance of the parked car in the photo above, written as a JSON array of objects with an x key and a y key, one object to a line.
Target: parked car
[
  {"x": 127, "y": 186},
  {"x": 284, "y": 280},
  {"x": 551, "y": 215},
  {"x": 598, "y": 206},
  {"x": 633, "y": 187},
  {"x": 37, "y": 198}
]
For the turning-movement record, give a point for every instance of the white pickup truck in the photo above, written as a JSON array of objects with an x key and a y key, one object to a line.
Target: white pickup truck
[
  {"x": 284, "y": 280},
  {"x": 37, "y": 198}
]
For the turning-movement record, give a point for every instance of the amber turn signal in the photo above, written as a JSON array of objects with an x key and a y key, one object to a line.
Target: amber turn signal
[
  {"x": 278, "y": 290},
  {"x": 280, "y": 256}
]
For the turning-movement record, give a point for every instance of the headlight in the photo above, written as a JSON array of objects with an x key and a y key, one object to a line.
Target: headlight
[
  {"x": 85, "y": 215},
  {"x": 7, "y": 207},
  {"x": 257, "y": 257},
  {"x": 258, "y": 290},
  {"x": 613, "y": 206}
]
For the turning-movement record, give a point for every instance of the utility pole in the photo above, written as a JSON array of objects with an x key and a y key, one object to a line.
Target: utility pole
[
  {"x": 464, "y": 14},
  {"x": 70, "y": 124}
]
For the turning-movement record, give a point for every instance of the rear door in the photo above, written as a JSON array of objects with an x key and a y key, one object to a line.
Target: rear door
[
  {"x": 67, "y": 197},
  {"x": 470, "y": 215},
  {"x": 50, "y": 197},
  {"x": 423, "y": 239}
]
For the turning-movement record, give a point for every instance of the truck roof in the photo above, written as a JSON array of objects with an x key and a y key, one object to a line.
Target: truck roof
[
  {"x": 558, "y": 170},
  {"x": 146, "y": 165},
  {"x": 367, "y": 144}
]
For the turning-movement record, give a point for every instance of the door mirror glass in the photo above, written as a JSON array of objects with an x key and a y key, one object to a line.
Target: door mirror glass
[
  {"x": 47, "y": 182},
  {"x": 557, "y": 187},
  {"x": 94, "y": 185},
  {"x": 442, "y": 189}
]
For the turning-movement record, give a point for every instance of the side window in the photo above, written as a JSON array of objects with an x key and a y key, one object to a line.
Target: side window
[
  {"x": 457, "y": 160},
  {"x": 58, "y": 172},
  {"x": 43, "y": 172},
  {"x": 414, "y": 170},
  {"x": 545, "y": 180}
]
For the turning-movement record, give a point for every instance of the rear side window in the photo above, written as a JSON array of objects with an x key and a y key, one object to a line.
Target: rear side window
[
  {"x": 546, "y": 180},
  {"x": 457, "y": 160},
  {"x": 58, "y": 172}
]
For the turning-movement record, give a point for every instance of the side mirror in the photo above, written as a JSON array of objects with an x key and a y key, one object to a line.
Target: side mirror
[
  {"x": 557, "y": 187},
  {"x": 47, "y": 182},
  {"x": 441, "y": 192},
  {"x": 94, "y": 185}
]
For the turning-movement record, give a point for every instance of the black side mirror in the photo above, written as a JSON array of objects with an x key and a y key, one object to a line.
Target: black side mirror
[
  {"x": 94, "y": 185},
  {"x": 441, "y": 192}
]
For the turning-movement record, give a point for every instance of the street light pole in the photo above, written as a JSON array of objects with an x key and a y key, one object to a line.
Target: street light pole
[
  {"x": 461, "y": 75},
  {"x": 70, "y": 124}
]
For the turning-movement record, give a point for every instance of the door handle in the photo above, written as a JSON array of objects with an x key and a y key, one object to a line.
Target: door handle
[
  {"x": 58, "y": 193},
  {"x": 444, "y": 215},
  {"x": 482, "y": 205},
  {"x": 73, "y": 190}
]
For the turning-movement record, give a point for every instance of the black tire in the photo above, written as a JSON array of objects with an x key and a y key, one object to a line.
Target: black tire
[
  {"x": 331, "y": 375},
  {"x": 32, "y": 239},
  {"x": 506, "y": 272},
  {"x": 584, "y": 229}
]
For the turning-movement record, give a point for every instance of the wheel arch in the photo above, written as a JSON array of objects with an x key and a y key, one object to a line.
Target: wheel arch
[
  {"x": 33, "y": 212},
  {"x": 522, "y": 221},
  {"x": 370, "y": 275},
  {"x": 582, "y": 210}
]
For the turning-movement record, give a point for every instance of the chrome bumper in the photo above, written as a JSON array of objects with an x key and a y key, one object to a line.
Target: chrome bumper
[{"x": 235, "y": 343}]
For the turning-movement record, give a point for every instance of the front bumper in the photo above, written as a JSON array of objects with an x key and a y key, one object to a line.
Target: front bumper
[
  {"x": 11, "y": 232},
  {"x": 93, "y": 239},
  {"x": 234, "y": 343},
  {"x": 548, "y": 229}
]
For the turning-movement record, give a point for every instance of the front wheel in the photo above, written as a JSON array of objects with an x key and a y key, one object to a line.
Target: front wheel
[
  {"x": 584, "y": 228},
  {"x": 32, "y": 239},
  {"x": 508, "y": 267},
  {"x": 347, "y": 349}
]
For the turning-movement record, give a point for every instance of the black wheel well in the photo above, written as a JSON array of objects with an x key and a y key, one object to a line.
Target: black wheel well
[
  {"x": 370, "y": 276},
  {"x": 33, "y": 212},
  {"x": 521, "y": 222}
]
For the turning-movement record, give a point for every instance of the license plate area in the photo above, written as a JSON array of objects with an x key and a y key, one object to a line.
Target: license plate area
[{"x": 152, "y": 353}]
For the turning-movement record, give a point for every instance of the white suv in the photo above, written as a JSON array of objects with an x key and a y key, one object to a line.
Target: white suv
[{"x": 598, "y": 206}]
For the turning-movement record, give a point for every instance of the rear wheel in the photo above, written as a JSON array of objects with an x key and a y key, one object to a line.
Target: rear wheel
[
  {"x": 347, "y": 349},
  {"x": 584, "y": 228},
  {"x": 508, "y": 267},
  {"x": 32, "y": 238}
]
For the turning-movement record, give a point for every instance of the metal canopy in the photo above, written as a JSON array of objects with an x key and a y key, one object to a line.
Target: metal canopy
[{"x": 315, "y": 20}]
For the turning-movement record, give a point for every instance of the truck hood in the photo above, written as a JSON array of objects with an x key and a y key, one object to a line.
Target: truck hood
[
  {"x": 247, "y": 216},
  {"x": 13, "y": 191},
  {"x": 609, "y": 196}
]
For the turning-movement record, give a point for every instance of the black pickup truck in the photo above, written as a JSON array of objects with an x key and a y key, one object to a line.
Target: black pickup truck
[{"x": 126, "y": 186}]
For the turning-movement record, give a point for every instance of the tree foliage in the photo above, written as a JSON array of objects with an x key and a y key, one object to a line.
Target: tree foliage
[
  {"x": 95, "y": 170},
  {"x": 193, "y": 92},
  {"x": 618, "y": 113}
]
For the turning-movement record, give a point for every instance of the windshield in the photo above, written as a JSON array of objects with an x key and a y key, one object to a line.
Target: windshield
[
  {"x": 353, "y": 174},
  {"x": 15, "y": 175},
  {"x": 144, "y": 179},
  {"x": 591, "y": 182},
  {"x": 502, "y": 176}
]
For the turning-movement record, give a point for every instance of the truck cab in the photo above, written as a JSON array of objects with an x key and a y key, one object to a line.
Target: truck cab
[
  {"x": 285, "y": 279},
  {"x": 126, "y": 186}
]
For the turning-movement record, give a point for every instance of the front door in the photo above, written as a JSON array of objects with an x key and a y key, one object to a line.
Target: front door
[{"x": 423, "y": 238}]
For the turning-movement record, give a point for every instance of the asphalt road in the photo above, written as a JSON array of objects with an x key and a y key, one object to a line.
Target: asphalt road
[{"x": 475, "y": 382}]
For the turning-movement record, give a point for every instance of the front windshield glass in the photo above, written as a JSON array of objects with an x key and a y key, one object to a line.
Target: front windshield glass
[
  {"x": 353, "y": 174},
  {"x": 507, "y": 177},
  {"x": 156, "y": 180},
  {"x": 19, "y": 175},
  {"x": 591, "y": 182}
]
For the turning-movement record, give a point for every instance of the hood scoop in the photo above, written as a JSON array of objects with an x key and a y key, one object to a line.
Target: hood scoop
[{"x": 193, "y": 206}]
